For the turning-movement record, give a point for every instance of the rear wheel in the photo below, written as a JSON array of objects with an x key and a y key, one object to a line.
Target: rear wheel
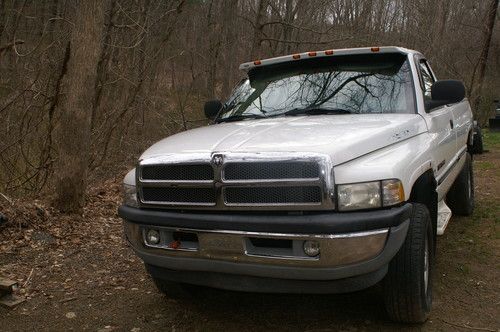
[
  {"x": 477, "y": 143},
  {"x": 460, "y": 198},
  {"x": 408, "y": 283}
]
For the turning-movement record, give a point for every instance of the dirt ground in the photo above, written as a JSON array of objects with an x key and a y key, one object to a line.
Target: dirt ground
[{"x": 77, "y": 273}]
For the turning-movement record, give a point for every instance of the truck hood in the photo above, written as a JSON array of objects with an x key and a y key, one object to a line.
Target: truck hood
[{"x": 341, "y": 137}]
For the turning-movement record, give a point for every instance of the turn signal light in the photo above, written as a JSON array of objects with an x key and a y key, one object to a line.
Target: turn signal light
[{"x": 392, "y": 192}]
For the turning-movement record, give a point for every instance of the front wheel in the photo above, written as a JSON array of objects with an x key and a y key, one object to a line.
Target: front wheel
[
  {"x": 408, "y": 283},
  {"x": 175, "y": 290}
]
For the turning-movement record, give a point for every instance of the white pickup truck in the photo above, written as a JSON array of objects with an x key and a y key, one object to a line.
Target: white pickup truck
[{"x": 323, "y": 172}]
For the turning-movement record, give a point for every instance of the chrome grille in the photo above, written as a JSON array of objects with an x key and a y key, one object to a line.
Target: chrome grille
[
  {"x": 272, "y": 195},
  {"x": 180, "y": 195},
  {"x": 237, "y": 182},
  {"x": 271, "y": 170},
  {"x": 188, "y": 172}
]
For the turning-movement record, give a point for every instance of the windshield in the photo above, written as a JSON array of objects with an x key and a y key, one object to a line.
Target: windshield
[{"x": 359, "y": 84}]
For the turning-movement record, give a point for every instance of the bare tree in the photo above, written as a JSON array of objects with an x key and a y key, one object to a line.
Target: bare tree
[
  {"x": 483, "y": 58},
  {"x": 258, "y": 28},
  {"x": 160, "y": 60},
  {"x": 76, "y": 105}
]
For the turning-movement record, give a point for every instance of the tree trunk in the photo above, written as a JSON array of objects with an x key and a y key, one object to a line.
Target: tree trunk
[
  {"x": 75, "y": 106},
  {"x": 483, "y": 59},
  {"x": 213, "y": 49},
  {"x": 230, "y": 45},
  {"x": 102, "y": 63},
  {"x": 287, "y": 29},
  {"x": 2, "y": 19},
  {"x": 258, "y": 29}
]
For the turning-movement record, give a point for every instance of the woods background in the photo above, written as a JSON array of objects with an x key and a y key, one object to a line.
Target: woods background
[{"x": 86, "y": 86}]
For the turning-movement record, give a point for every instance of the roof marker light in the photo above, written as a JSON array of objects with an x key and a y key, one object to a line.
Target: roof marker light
[
  {"x": 257, "y": 62},
  {"x": 296, "y": 56},
  {"x": 375, "y": 49},
  {"x": 329, "y": 52},
  {"x": 311, "y": 53}
]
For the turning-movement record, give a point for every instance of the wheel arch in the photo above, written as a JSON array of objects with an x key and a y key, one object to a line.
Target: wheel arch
[
  {"x": 470, "y": 141},
  {"x": 424, "y": 191}
]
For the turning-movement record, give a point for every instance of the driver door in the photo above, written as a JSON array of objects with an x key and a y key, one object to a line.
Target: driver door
[{"x": 441, "y": 125}]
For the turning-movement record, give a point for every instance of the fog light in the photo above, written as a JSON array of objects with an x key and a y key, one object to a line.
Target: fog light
[
  {"x": 311, "y": 248},
  {"x": 153, "y": 236}
]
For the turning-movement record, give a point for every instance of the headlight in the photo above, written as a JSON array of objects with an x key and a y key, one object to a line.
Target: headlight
[
  {"x": 369, "y": 195},
  {"x": 130, "y": 195},
  {"x": 359, "y": 196}
]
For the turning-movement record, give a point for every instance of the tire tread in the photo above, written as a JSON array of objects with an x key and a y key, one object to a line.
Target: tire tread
[
  {"x": 402, "y": 285},
  {"x": 458, "y": 197}
]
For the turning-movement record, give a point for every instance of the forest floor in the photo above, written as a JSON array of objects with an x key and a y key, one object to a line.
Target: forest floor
[{"x": 77, "y": 273}]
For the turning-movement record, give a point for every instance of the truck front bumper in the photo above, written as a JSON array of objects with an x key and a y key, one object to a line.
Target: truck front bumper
[{"x": 264, "y": 252}]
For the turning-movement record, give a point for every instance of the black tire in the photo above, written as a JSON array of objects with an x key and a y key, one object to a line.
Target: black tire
[
  {"x": 460, "y": 198},
  {"x": 172, "y": 289},
  {"x": 477, "y": 141},
  {"x": 175, "y": 290},
  {"x": 408, "y": 283}
]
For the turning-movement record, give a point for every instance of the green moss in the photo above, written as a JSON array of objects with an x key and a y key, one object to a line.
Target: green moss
[
  {"x": 463, "y": 269},
  {"x": 491, "y": 140},
  {"x": 484, "y": 165},
  {"x": 486, "y": 209}
]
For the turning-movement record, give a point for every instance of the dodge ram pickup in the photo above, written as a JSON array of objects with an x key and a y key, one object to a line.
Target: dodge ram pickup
[{"x": 323, "y": 172}]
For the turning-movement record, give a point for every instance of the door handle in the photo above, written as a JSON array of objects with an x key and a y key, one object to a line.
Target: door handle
[{"x": 451, "y": 124}]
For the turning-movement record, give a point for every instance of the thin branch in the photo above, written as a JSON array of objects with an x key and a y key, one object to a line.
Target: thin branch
[
  {"x": 7, "y": 198},
  {"x": 247, "y": 19},
  {"x": 468, "y": 327},
  {"x": 298, "y": 27},
  {"x": 306, "y": 42},
  {"x": 130, "y": 18},
  {"x": 10, "y": 45},
  {"x": 140, "y": 38}
]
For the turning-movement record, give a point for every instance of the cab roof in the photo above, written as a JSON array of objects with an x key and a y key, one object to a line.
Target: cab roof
[{"x": 326, "y": 53}]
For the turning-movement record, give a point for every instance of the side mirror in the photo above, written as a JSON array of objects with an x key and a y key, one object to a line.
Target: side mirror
[
  {"x": 446, "y": 92},
  {"x": 211, "y": 108}
]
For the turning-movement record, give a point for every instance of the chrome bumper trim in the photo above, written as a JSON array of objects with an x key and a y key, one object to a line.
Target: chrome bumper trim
[{"x": 233, "y": 246}]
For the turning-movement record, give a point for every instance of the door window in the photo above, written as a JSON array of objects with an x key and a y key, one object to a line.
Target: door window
[{"x": 427, "y": 80}]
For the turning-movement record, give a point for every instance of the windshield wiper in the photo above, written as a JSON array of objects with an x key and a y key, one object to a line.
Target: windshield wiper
[
  {"x": 240, "y": 117},
  {"x": 317, "y": 111}
]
